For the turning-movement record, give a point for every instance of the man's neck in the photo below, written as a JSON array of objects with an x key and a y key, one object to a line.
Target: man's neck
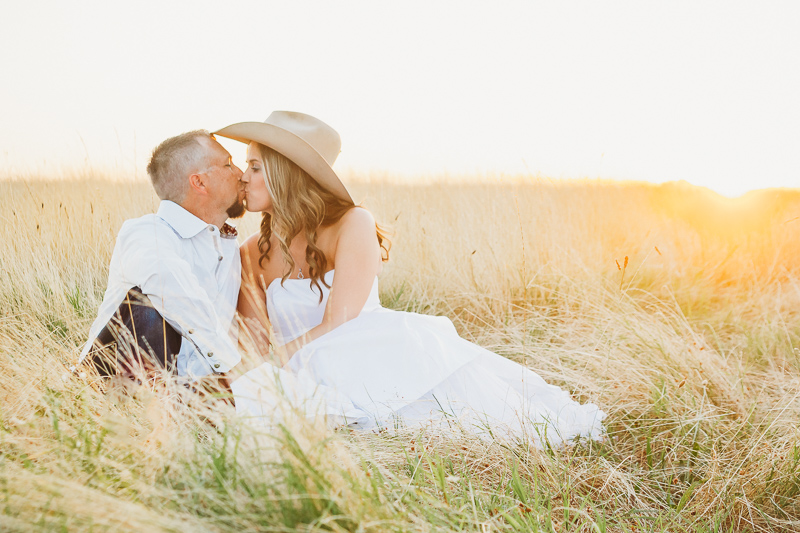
[{"x": 215, "y": 218}]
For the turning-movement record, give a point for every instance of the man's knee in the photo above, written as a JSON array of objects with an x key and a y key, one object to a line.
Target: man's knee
[{"x": 137, "y": 339}]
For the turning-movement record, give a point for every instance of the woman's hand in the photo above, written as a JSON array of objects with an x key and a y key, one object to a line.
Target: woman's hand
[{"x": 285, "y": 352}]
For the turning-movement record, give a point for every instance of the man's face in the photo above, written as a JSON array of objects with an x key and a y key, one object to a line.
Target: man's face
[{"x": 224, "y": 183}]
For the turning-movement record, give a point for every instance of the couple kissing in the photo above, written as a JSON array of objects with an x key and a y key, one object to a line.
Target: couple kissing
[{"x": 178, "y": 280}]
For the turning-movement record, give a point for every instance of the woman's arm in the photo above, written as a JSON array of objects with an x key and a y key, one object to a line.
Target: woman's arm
[
  {"x": 357, "y": 260},
  {"x": 252, "y": 306}
]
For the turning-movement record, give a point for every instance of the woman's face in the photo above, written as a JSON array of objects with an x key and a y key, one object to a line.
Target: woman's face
[{"x": 257, "y": 195}]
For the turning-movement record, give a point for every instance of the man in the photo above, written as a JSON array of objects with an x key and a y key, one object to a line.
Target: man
[{"x": 174, "y": 276}]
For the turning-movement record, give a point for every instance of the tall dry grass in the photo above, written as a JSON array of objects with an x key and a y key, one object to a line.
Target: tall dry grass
[{"x": 690, "y": 346}]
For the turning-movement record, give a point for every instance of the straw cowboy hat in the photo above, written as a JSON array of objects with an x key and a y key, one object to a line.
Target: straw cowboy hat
[{"x": 307, "y": 141}]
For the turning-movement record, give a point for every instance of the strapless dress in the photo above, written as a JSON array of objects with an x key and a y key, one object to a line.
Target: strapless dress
[{"x": 387, "y": 369}]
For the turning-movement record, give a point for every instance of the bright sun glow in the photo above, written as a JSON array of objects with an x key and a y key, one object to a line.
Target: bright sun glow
[{"x": 702, "y": 92}]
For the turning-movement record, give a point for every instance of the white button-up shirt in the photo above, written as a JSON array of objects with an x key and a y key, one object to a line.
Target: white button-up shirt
[{"x": 191, "y": 274}]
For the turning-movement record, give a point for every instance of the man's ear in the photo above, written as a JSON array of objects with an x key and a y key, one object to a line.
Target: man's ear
[{"x": 198, "y": 183}]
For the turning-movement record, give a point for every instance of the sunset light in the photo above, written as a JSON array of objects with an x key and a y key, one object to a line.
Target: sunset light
[{"x": 704, "y": 92}]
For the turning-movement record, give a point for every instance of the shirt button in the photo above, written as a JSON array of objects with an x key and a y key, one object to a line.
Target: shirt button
[
  {"x": 210, "y": 354},
  {"x": 191, "y": 331},
  {"x": 211, "y": 229},
  {"x": 219, "y": 258},
  {"x": 216, "y": 366}
]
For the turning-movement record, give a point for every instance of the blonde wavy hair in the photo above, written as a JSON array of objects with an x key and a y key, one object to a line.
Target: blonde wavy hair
[{"x": 299, "y": 203}]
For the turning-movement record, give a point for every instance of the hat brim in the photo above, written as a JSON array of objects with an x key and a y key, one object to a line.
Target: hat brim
[{"x": 293, "y": 147}]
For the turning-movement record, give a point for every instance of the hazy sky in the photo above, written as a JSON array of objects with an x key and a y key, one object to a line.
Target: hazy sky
[{"x": 701, "y": 91}]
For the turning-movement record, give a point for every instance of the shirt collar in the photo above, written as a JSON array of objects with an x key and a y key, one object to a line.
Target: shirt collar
[{"x": 182, "y": 221}]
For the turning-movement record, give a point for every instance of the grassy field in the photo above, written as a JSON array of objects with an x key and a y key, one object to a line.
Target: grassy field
[{"x": 675, "y": 310}]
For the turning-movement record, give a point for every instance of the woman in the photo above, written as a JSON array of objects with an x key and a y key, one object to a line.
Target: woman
[{"x": 312, "y": 271}]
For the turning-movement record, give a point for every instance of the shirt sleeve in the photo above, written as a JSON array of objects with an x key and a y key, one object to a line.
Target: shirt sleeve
[{"x": 150, "y": 258}]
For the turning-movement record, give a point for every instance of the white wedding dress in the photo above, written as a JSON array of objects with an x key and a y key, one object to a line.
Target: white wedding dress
[{"x": 388, "y": 369}]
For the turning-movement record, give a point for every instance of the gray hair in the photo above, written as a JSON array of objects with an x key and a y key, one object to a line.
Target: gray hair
[{"x": 174, "y": 160}]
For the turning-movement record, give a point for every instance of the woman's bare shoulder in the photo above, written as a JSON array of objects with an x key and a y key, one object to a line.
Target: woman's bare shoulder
[
  {"x": 251, "y": 242},
  {"x": 356, "y": 231},
  {"x": 249, "y": 248},
  {"x": 251, "y": 256},
  {"x": 357, "y": 219}
]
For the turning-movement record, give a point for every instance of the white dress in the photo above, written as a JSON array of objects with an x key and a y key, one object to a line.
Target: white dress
[{"x": 387, "y": 369}]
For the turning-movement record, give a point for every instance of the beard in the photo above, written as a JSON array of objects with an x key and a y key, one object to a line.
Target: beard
[{"x": 237, "y": 210}]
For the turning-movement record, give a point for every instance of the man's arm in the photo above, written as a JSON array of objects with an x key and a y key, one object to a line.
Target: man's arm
[{"x": 150, "y": 258}]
